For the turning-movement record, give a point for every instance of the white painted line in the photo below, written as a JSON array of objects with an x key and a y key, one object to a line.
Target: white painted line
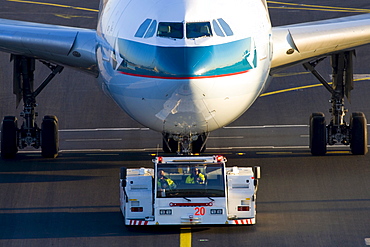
[
  {"x": 103, "y": 129},
  {"x": 92, "y": 140},
  {"x": 156, "y": 149},
  {"x": 102, "y": 154},
  {"x": 160, "y": 149},
  {"x": 223, "y": 148},
  {"x": 278, "y": 147},
  {"x": 226, "y": 137},
  {"x": 110, "y": 150},
  {"x": 270, "y": 126},
  {"x": 38, "y": 151},
  {"x": 262, "y": 147},
  {"x": 361, "y": 76},
  {"x": 266, "y": 126}
]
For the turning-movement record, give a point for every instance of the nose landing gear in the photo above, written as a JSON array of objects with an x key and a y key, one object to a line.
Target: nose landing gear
[{"x": 184, "y": 144}]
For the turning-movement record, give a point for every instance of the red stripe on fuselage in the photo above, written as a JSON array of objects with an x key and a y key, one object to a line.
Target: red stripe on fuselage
[{"x": 183, "y": 78}]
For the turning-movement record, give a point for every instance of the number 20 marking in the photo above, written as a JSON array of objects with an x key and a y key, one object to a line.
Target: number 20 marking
[{"x": 200, "y": 211}]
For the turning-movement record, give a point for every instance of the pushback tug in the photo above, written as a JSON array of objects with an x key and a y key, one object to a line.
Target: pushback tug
[{"x": 191, "y": 190}]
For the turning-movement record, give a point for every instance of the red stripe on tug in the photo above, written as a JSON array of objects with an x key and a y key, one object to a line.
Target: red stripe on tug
[
  {"x": 138, "y": 222},
  {"x": 244, "y": 222},
  {"x": 172, "y": 204}
]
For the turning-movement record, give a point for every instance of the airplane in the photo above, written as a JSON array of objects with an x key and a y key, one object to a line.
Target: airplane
[{"x": 184, "y": 68}]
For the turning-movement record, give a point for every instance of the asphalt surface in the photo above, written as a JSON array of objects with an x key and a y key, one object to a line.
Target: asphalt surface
[{"x": 73, "y": 200}]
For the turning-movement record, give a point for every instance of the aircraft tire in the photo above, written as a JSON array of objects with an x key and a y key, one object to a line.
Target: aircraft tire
[
  {"x": 9, "y": 128},
  {"x": 358, "y": 134},
  {"x": 317, "y": 134},
  {"x": 49, "y": 137}
]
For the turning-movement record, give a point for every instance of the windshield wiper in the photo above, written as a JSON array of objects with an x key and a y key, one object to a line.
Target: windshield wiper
[
  {"x": 211, "y": 199},
  {"x": 187, "y": 199}
]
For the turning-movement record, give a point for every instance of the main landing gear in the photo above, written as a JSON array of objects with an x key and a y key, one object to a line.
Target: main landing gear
[
  {"x": 338, "y": 130},
  {"x": 29, "y": 134},
  {"x": 184, "y": 144}
]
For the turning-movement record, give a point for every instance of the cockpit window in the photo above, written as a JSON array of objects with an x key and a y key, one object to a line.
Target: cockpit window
[
  {"x": 143, "y": 27},
  {"x": 175, "y": 30},
  {"x": 151, "y": 30},
  {"x": 225, "y": 27},
  {"x": 217, "y": 29},
  {"x": 143, "y": 30},
  {"x": 198, "y": 30},
  {"x": 170, "y": 30}
]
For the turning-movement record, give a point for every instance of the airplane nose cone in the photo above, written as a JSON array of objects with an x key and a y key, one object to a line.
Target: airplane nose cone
[{"x": 185, "y": 110}]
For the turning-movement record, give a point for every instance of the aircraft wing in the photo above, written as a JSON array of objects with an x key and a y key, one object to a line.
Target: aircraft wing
[
  {"x": 69, "y": 46},
  {"x": 293, "y": 44}
]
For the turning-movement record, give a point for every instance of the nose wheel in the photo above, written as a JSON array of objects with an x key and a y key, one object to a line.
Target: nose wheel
[{"x": 181, "y": 144}]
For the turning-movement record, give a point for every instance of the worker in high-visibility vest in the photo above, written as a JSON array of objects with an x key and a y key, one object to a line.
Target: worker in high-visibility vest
[
  {"x": 195, "y": 177},
  {"x": 165, "y": 182}
]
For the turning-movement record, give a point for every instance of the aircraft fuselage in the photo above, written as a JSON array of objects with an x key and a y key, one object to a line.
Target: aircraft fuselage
[{"x": 184, "y": 66}]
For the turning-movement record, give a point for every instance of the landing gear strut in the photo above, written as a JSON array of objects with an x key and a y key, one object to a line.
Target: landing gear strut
[
  {"x": 338, "y": 130},
  {"x": 29, "y": 134},
  {"x": 182, "y": 144}
]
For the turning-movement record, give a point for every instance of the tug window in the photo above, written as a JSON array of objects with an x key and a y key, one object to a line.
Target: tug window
[
  {"x": 170, "y": 30},
  {"x": 198, "y": 30}
]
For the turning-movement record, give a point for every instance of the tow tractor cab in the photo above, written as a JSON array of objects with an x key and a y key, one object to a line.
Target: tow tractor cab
[{"x": 191, "y": 190}]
